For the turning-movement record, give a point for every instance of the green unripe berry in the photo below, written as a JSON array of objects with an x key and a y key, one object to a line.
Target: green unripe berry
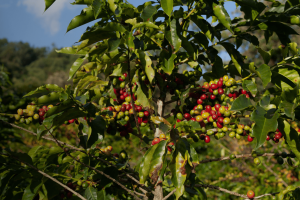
[
  {"x": 232, "y": 134},
  {"x": 257, "y": 161},
  {"x": 237, "y": 136},
  {"x": 232, "y": 156}
]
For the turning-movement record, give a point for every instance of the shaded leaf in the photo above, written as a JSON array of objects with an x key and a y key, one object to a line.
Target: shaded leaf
[
  {"x": 172, "y": 36},
  {"x": 265, "y": 54},
  {"x": 91, "y": 193},
  {"x": 263, "y": 125},
  {"x": 168, "y": 64},
  {"x": 76, "y": 65}
]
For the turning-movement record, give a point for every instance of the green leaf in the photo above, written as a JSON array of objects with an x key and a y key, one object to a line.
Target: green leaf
[
  {"x": 71, "y": 113},
  {"x": 91, "y": 193},
  {"x": 86, "y": 15},
  {"x": 98, "y": 126},
  {"x": 43, "y": 90},
  {"x": 142, "y": 98},
  {"x": 168, "y": 64},
  {"x": 289, "y": 109},
  {"x": 61, "y": 107},
  {"x": 84, "y": 82},
  {"x": 222, "y": 16},
  {"x": 179, "y": 167},
  {"x": 112, "y": 5},
  {"x": 291, "y": 137},
  {"x": 265, "y": 74},
  {"x": 73, "y": 50},
  {"x": 148, "y": 12},
  {"x": 265, "y": 101},
  {"x": 145, "y": 24},
  {"x": 290, "y": 188},
  {"x": 263, "y": 125},
  {"x": 32, "y": 189},
  {"x": 147, "y": 64},
  {"x": 76, "y": 65},
  {"x": 217, "y": 67},
  {"x": 173, "y": 37},
  {"x": 152, "y": 162},
  {"x": 167, "y": 6},
  {"x": 48, "y": 3},
  {"x": 293, "y": 48},
  {"x": 102, "y": 195},
  {"x": 113, "y": 44},
  {"x": 241, "y": 103},
  {"x": 265, "y": 54},
  {"x": 251, "y": 86},
  {"x": 97, "y": 7}
]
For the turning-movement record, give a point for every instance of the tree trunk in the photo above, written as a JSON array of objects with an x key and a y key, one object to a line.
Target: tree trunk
[{"x": 158, "y": 189}]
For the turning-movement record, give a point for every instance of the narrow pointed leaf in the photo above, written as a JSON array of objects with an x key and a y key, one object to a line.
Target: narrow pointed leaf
[
  {"x": 76, "y": 65},
  {"x": 251, "y": 86},
  {"x": 142, "y": 97},
  {"x": 167, "y": 6},
  {"x": 72, "y": 50},
  {"x": 152, "y": 162},
  {"x": 86, "y": 15},
  {"x": 266, "y": 55},
  {"x": 168, "y": 64},
  {"x": 291, "y": 137},
  {"x": 173, "y": 37},
  {"x": 48, "y": 3},
  {"x": 97, "y": 7},
  {"x": 147, "y": 64},
  {"x": 222, "y": 16}
]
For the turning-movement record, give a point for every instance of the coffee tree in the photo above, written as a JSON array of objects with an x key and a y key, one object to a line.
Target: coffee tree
[{"x": 130, "y": 81}]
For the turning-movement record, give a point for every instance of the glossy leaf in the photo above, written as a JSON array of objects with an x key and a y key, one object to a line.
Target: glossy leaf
[
  {"x": 289, "y": 109},
  {"x": 48, "y": 3},
  {"x": 178, "y": 169},
  {"x": 265, "y": 74},
  {"x": 76, "y": 65},
  {"x": 97, "y": 7},
  {"x": 173, "y": 37},
  {"x": 291, "y": 137},
  {"x": 72, "y": 50},
  {"x": 241, "y": 103},
  {"x": 167, "y": 6},
  {"x": 148, "y": 12},
  {"x": 157, "y": 120},
  {"x": 84, "y": 82},
  {"x": 113, "y": 44},
  {"x": 152, "y": 162},
  {"x": 265, "y": 54},
  {"x": 43, "y": 90},
  {"x": 168, "y": 64},
  {"x": 251, "y": 86},
  {"x": 222, "y": 16},
  {"x": 86, "y": 15},
  {"x": 143, "y": 99},
  {"x": 263, "y": 125},
  {"x": 147, "y": 64},
  {"x": 145, "y": 24}
]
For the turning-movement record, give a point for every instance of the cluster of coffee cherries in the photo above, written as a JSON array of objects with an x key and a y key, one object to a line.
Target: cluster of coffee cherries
[
  {"x": 161, "y": 138},
  {"x": 31, "y": 113},
  {"x": 213, "y": 111},
  {"x": 125, "y": 112},
  {"x": 66, "y": 193},
  {"x": 275, "y": 136}
]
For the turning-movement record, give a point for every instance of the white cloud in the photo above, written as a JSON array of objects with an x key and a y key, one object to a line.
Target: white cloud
[{"x": 50, "y": 18}]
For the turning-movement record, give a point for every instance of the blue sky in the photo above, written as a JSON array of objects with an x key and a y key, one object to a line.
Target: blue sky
[{"x": 25, "y": 20}]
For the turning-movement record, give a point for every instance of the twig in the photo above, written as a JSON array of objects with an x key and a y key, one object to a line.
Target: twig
[
  {"x": 270, "y": 170},
  {"x": 166, "y": 197},
  {"x": 233, "y": 193},
  {"x": 264, "y": 195},
  {"x": 78, "y": 149},
  {"x": 238, "y": 156},
  {"x": 132, "y": 103},
  {"x": 48, "y": 176},
  {"x": 44, "y": 137},
  {"x": 100, "y": 172}
]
